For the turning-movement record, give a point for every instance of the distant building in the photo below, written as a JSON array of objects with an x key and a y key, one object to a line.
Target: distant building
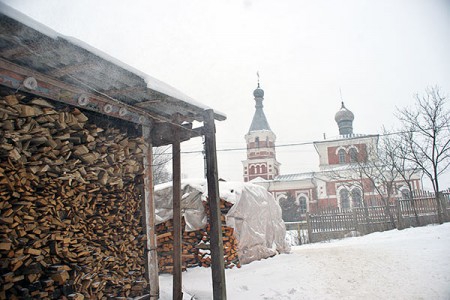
[
  {"x": 332, "y": 186},
  {"x": 261, "y": 159}
]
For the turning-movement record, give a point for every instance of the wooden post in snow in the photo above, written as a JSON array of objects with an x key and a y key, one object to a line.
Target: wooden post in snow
[
  {"x": 217, "y": 263},
  {"x": 176, "y": 187},
  {"x": 149, "y": 217}
]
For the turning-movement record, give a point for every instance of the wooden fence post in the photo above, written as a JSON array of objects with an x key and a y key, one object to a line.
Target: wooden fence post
[
  {"x": 368, "y": 226},
  {"x": 444, "y": 206},
  {"x": 309, "y": 225},
  {"x": 399, "y": 214},
  {"x": 355, "y": 220}
]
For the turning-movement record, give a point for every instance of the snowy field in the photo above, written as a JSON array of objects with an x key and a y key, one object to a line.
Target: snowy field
[{"x": 408, "y": 264}]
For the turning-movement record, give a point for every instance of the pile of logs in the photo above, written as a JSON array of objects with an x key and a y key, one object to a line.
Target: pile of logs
[
  {"x": 196, "y": 244},
  {"x": 189, "y": 253},
  {"x": 70, "y": 207}
]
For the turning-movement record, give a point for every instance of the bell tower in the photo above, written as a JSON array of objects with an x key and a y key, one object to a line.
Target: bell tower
[{"x": 261, "y": 157}]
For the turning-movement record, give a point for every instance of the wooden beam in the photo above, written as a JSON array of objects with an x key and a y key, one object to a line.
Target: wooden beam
[
  {"x": 13, "y": 76},
  {"x": 176, "y": 187},
  {"x": 217, "y": 262},
  {"x": 149, "y": 217},
  {"x": 127, "y": 90},
  {"x": 162, "y": 133},
  {"x": 35, "y": 46},
  {"x": 69, "y": 69}
]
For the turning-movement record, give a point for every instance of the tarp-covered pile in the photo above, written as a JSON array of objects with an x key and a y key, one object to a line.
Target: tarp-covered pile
[{"x": 252, "y": 226}]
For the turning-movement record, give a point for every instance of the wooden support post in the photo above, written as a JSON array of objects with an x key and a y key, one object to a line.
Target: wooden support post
[
  {"x": 176, "y": 187},
  {"x": 217, "y": 262},
  {"x": 149, "y": 217}
]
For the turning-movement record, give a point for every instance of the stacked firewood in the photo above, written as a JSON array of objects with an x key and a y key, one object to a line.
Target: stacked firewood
[
  {"x": 189, "y": 253},
  {"x": 196, "y": 244},
  {"x": 70, "y": 208},
  {"x": 230, "y": 243}
]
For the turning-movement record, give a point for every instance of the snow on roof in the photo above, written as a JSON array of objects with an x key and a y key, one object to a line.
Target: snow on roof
[
  {"x": 298, "y": 176},
  {"x": 258, "y": 179},
  {"x": 18, "y": 16},
  {"x": 347, "y": 137},
  {"x": 152, "y": 83}
]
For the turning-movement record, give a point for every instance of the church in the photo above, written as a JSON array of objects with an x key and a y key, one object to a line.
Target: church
[{"x": 333, "y": 186}]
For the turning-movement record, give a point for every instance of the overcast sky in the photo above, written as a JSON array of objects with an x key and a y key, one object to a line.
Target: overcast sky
[{"x": 378, "y": 53}]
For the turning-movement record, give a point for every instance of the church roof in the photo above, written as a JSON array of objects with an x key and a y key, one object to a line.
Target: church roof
[
  {"x": 259, "y": 121},
  {"x": 292, "y": 177}
]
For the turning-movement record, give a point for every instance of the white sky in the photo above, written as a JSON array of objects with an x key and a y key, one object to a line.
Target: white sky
[{"x": 379, "y": 53}]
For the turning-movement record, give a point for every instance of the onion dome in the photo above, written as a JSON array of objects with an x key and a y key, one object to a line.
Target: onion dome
[
  {"x": 259, "y": 92},
  {"x": 344, "y": 118}
]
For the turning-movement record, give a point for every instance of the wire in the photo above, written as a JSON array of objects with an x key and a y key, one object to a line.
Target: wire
[{"x": 309, "y": 142}]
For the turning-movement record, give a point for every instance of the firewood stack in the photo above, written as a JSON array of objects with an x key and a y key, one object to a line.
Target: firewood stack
[
  {"x": 189, "y": 253},
  {"x": 196, "y": 244},
  {"x": 230, "y": 243},
  {"x": 70, "y": 208}
]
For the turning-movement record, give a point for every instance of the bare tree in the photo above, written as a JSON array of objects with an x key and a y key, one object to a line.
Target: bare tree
[
  {"x": 380, "y": 170},
  {"x": 407, "y": 170},
  {"x": 426, "y": 134},
  {"x": 160, "y": 161}
]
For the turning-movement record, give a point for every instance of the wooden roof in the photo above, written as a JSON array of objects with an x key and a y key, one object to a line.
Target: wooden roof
[{"x": 55, "y": 61}]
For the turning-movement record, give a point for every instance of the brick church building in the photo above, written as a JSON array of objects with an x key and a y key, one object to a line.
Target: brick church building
[{"x": 333, "y": 186}]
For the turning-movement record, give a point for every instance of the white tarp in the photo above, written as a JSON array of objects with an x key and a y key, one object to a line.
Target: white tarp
[{"x": 255, "y": 215}]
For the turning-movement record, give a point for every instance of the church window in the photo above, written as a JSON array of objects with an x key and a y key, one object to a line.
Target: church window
[
  {"x": 405, "y": 194},
  {"x": 302, "y": 205},
  {"x": 344, "y": 198},
  {"x": 263, "y": 169},
  {"x": 353, "y": 155},
  {"x": 257, "y": 142},
  {"x": 341, "y": 155},
  {"x": 252, "y": 170},
  {"x": 356, "y": 197}
]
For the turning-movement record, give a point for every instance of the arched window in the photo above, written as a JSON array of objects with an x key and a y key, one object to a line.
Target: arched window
[
  {"x": 263, "y": 169},
  {"x": 303, "y": 206},
  {"x": 257, "y": 142},
  {"x": 252, "y": 170},
  {"x": 341, "y": 155},
  {"x": 344, "y": 198},
  {"x": 258, "y": 169},
  {"x": 353, "y": 155},
  {"x": 406, "y": 194},
  {"x": 356, "y": 197}
]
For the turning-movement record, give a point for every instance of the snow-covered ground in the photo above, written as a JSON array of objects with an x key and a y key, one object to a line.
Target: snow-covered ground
[{"x": 408, "y": 264}]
